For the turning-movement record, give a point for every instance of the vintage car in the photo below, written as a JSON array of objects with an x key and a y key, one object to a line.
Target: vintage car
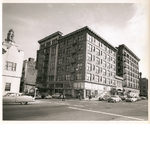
[
  {"x": 131, "y": 99},
  {"x": 123, "y": 97},
  {"x": 104, "y": 97},
  {"x": 143, "y": 98},
  {"x": 17, "y": 98},
  {"x": 114, "y": 98},
  {"x": 57, "y": 95},
  {"x": 48, "y": 97}
]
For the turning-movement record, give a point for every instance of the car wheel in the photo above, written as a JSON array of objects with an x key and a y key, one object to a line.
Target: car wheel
[
  {"x": 23, "y": 103},
  {"x": 114, "y": 101}
]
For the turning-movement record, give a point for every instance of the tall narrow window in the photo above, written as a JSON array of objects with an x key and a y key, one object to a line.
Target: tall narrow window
[{"x": 7, "y": 86}]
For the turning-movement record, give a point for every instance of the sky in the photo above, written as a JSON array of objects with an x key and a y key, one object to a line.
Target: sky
[{"x": 117, "y": 23}]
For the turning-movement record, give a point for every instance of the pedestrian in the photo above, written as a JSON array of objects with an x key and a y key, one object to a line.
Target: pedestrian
[
  {"x": 90, "y": 96},
  {"x": 79, "y": 96},
  {"x": 63, "y": 97}
]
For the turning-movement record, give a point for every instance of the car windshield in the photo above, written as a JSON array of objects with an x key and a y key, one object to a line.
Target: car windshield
[
  {"x": 10, "y": 94},
  {"x": 57, "y": 94},
  {"x": 114, "y": 96}
]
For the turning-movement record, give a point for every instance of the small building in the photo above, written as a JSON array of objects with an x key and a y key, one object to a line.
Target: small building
[
  {"x": 29, "y": 73},
  {"x": 12, "y": 59},
  {"x": 143, "y": 86},
  {"x": 128, "y": 68}
]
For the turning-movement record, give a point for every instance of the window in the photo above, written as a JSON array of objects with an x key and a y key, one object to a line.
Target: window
[
  {"x": 67, "y": 68},
  {"x": 108, "y": 58},
  {"x": 60, "y": 61},
  {"x": 79, "y": 66},
  {"x": 88, "y": 77},
  {"x": 93, "y": 67},
  {"x": 113, "y": 74},
  {"x": 104, "y": 63},
  {"x": 89, "y": 38},
  {"x": 97, "y": 61},
  {"x": 80, "y": 37},
  {"x": 113, "y": 68},
  {"x": 108, "y": 73},
  {"x": 97, "y": 51},
  {"x": 10, "y": 66},
  {"x": 7, "y": 86},
  {"x": 89, "y": 47},
  {"x": 68, "y": 59},
  {"x": 67, "y": 77},
  {"x": 80, "y": 47},
  {"x": 68, "y": 50},
  {"x": 60, "y": 53},
  {"x": 105, "y": 56},
  {"x": 89, "y": 57},
  {"x": 108, "y": 65},
  {"x": 113, "y": 60},
  {"x": 79, "y": 76},
  {"x": 108, "y": 81},
  {"x": 59, "y": 69},
  {"x": 59, "y": 78},
  {"x": 104, "y": 80},
  {"x": 97, "y": 69},
  {"x": 89, "y": 67},
  {"x": 79, "y": 56},
  {"x": 93, "y": 58},
  {"x": 69, "y": 41},
  {"x": 97, "y": 78},
  {"x": 100, "y": 78},
  {"x": 104, "y": 72}
]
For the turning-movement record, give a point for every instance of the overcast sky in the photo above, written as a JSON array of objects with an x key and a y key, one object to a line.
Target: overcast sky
[{"x": 118, "y": 23}]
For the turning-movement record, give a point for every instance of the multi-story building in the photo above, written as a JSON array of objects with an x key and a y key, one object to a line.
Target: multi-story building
[
  {"x": 85, "y": 63},
  {"x": 12, "y": 58},
  {"x": 128, "y": 68},
  {"x": 29, "y": 73},
  {"x": 143, "y": 86},
  {"x": 46, "y": 62}
]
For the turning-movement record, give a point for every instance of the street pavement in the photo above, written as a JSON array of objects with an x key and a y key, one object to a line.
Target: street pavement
[{"x": 76, "y": 110}]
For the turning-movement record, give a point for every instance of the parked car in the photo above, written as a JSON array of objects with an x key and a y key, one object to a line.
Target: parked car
[
  {"x": 57, "y": 95},
  {"x": 38, "y": 97},
  {"x": 104, "y": 97},
  {"x": 143, "y": 98},
  {"x": 114, "y": 99},
  {"x": 123, "y": 97},
  {"x": 138, "y": 98},
  {"x": 131, "y": 99},
  {"x": 48, "y": 97},
  {"x": 17, "y": 98}
]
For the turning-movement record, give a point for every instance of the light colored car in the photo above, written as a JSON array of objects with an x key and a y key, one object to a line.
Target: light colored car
[
  {"x": 57, "y": 95},
  {"x": 123, "y": 97},
  {"x": 143, "y": 98},
  {"x": 114, "y": 99},
  {"x": 48, "y": 97},
  {"x": 131, "y": 99},
  {"x": 104, "y": 97},
  {"x": 17, "y": 98}
]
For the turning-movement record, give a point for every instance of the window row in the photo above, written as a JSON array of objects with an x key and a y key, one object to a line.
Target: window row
[
  {"x": 91, "y": 57},
  {"x": 100, "y": 44},
  {"x": 48, "y": 44},
  {"x": 70, "y": 68},
  {"x": 70, "y": 50},
  {"x": 69, "y": 77},
  {"x": 71, "y": 40},
  {"x": 92, "y": 77},
  {"x": 131, "y": 58},
  {"x": 69, "y": 59}
]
